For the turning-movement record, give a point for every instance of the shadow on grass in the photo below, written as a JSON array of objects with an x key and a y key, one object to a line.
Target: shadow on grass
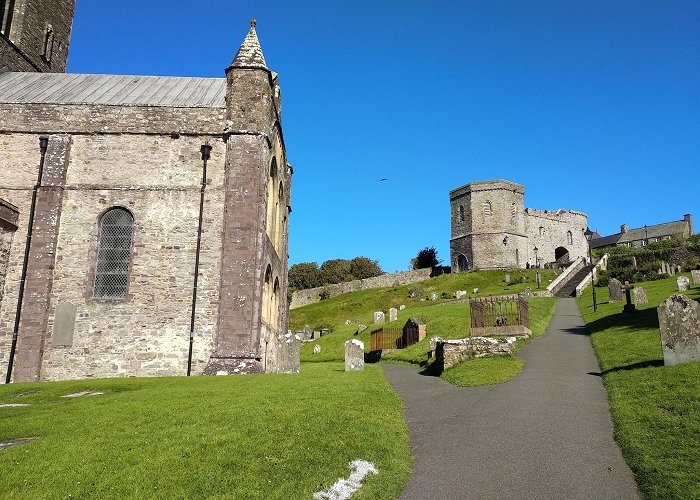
[{"x": 651, "y": 363}]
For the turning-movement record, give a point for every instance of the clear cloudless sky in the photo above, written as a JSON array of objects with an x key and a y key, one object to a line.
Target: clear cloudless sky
[{"x": 592, "y": 105}]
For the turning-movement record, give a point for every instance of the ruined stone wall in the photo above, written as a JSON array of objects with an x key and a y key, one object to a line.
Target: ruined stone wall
[
  {"x": 24, "y": 49},
  {"x": 311, "y": 295},
  {"x": 157, "y": 178},
  {"x": 548, "y": 230}
]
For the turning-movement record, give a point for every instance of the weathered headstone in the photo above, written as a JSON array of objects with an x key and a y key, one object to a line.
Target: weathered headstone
[
  {"x": 639, "y": 295},
  {"x": 288, "y": 354},
  {"x": 379, "y": 318},
  {"x": 361, "y": 328},
  {"x": 317, "y": 349},
  {"x": 354, "y": 355},
  {"x": 683, "y": 283},
  {"x": 679, "y": 324},
  {"x": 402, "y": 307},
  {"x": 679, "y": 269},
  {"x": 308, "y": 334},
  {"x": 347, "y": 322},
  {"x": 393, "y": 314},
  {"x": 634, "y": 262},
  {"x": 475, "y": 291},
  {"x": 434, "y": 296},
  {"x": 696, "y": 277},
  {"x": 527, "y": 293},
  {"x": 460, "y": 293},
  {"x": 507, "y": 278},
  {"x": 615, "y": 289}
]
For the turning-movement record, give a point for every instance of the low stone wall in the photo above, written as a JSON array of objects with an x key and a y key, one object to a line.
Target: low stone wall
[
  {"x": 312, "y": 295},
  {"x": 451, "y": 352}
]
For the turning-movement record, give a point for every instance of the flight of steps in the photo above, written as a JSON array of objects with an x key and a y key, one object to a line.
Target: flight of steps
[{"x": 569, "y": 289}]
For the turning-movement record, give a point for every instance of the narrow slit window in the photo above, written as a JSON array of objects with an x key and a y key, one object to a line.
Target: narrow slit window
[{"x": 112, "y": 270}]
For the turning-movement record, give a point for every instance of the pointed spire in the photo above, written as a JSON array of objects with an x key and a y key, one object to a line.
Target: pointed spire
[{"x": 249, "y": 54}]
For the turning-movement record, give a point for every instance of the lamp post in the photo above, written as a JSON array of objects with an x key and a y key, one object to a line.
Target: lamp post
[
  {"x": 537, "y": 266},
  {"x": 589, "y": 234}
]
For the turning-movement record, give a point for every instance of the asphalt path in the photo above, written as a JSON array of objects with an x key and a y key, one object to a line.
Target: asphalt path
[{"x": 546, "y": 434}]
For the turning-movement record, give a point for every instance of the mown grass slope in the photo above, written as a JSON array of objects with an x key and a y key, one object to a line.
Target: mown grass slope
[
  {"x": 254, "y": 436},
  {"x": 655, "y": 408}
]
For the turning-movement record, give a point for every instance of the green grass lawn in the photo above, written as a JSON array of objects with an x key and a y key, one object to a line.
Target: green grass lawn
[
  {"x": 448, "y": 319},
  {"x": 655, "y": 409},
  {"x": 253, "y": 436}
]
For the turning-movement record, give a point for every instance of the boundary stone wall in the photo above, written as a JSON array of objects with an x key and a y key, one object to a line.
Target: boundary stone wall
[{"x": 311, "y": 295}]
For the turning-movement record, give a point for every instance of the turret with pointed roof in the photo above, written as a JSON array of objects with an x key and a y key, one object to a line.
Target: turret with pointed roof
[{"x": 250, "y": 53}]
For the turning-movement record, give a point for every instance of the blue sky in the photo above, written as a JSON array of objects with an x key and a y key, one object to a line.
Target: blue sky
[{"x": 593, "y": 106}]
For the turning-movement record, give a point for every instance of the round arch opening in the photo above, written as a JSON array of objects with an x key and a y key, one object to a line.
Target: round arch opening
[
  {"x": 462, "y": 263},
  {"x": 561, "y": 254}
]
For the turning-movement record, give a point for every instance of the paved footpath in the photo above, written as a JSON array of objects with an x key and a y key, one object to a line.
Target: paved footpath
[{"x": 546, "y": 434}]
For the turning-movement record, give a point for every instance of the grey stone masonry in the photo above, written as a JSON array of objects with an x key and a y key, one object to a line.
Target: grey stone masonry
[
  {"x": 288, "y": 354},
  {"x": 679, "y": 325},
  {"x": 683, "y": 283},
  {"x": 615, "y": 289},
  {"x": 393, "y": 314},
  {"x": 695, "y": 275},
  {"x": 639, "y": 296},
  {"x": 379, "y": 318},
  {"x": 354, "y": 355}
]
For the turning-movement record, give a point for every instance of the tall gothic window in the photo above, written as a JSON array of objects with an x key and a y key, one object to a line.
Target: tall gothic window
[
  {"x": 112, "y": 271},
  {"x": 272, "y": 202},
  {"x": 569, "y": 238}
]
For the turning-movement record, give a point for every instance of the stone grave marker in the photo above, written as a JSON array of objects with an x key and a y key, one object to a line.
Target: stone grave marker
[
  {"x": 475, "y": 291},
  {"x": 683, "y": 283},
  {"x": 361, "y": 328},
  {"x": 354, "y": 355},
  {"x": 679, "y": 325},
  {"x": 696, "y": 277},
  {"x": 629, "y": 306},
  {"x": 347, "y": 322},
  {"x": 393, "y": 314},
  {"x": 507, "y": 278},
  {"x": 434, "y": 296},
  {"x": 527, "y": 293},
  {"x": 317, "y": 349},
  {"x": 615, "y": 289},
  {"x": 639, "y": 295},
  {"x": 402, "y": 307},
  {"x": 288, "y": 354},
  {"x": 460, "y": 293},
  {"x": 379, "y": 318},
  {"x": 308, "y": 334}
]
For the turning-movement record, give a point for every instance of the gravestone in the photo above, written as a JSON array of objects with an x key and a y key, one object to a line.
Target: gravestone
[
  {"x": 288, "y": 354},
  {"x": 696, "y": 277},
  {"x": 679, "y": 325},
  {"x": 361, "y": 328},
  {"x": 527, "y": 293},
  {"x": 615, "y": 289},
  {"x": 460, "y": 293},
  {"x": 354, "y": 355},
  {"x": 434, "y": 296},
  {"x": 634, "y": 262},
  {"x": 317, "y": 349},
  {"x": 629, "y": 306},
  {"x": 475, "y": 291},
  {"x": 639, "y": 295},
  {"x": 402, "y": 307},
  {"x": 379, "y": 318},
  {"x": 393, "y": 314},
  {"x": 507, "y": 278},
  {"x": 347, "y": 322},
  {"x": 308, "y": 334},
  {"x": 679, "y": 269},
  {"x": 683, "y": 284}
]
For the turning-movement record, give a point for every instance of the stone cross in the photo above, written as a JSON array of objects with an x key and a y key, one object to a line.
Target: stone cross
[
  {"x": 679, "y": 325},
  {"x": 379, "y": 318},
  {"x": 393, "y": 314},
  {"x": 683, "y": 283},
  {"x": 354, "y": 355},
  {"x": 615, "y": 289},
  {"x": 639, "y": 295},
  {"x": 696, "y": 277},
  {"x": 629, "y": 306}
]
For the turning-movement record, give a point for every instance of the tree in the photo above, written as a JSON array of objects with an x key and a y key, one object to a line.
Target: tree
[
  {"x": 335, "y": 271},
  {"x": 425, "y": 258},
  {"x": 304, "y": 275},
  {"x": 363, "y": 267}
]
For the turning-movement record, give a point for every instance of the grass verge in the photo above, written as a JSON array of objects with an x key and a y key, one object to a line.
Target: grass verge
[
  {"x": 258, "y": 436},
  {"x": 655, "y": 408}
]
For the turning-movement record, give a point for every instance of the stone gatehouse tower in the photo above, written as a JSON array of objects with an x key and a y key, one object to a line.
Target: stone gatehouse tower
[
  {"x": 159, "y": 233},
  {"x": 492, "y": 229}
]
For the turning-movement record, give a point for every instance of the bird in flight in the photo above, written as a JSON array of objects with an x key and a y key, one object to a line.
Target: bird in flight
[{"x": 383, "y": 179}]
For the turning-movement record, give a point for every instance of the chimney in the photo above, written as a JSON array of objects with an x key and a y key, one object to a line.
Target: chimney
[{"x": 623, "y": 228}]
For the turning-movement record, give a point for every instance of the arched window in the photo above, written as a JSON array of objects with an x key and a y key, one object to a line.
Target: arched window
[
  {"x": 461, "y": 213},
  {"x": 487, "y": 209},
  {"x": 280, "y": 206},
  {"x": 513, "y": 211},
  {"x": 271, "y": 201},
  {"x": 275, "y": 302},
  {"x": 267, "y": 295},
  {"x": 113, "y": 255},
  {"x": 569, "y": 238},
  {"x": 541, "y": 231}
]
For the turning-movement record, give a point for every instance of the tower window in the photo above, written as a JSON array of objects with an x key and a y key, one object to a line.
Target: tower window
[
  {"x": 7, "y": 8},
  {"x": 569, "y": 238},
  {"x": 461, "y": 213},
  {"x": 487, "y": 209},
  {"x": 112, "y": 272},
  {"x": 541, "y": 231},
  {"x": 48, "y": 43}
]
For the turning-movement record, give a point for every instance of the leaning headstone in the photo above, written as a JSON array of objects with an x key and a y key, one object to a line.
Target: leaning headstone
[
  {"x": 507, "y": 278},
  {"x": 288, "y": 354},
  {"x": 639, "y": 295},
  {"x": 434, "y": 296},
  {"x": 317, "y": 349},
  {"x": 679, "y": 324},
  {"x": 475, "y": 291},
  {"x": 354, "y": 355},
  {"x": 460, "y": 293},
  {"x": 696, "y": 277},
  {"x": 379, "y": 318},
  {"x": 361, "y": 328},
  {"x": 393, "y": 314},
  {"x": 615, "y": 289},
  {"x": 402, "y": 307},
  {"x": 683, "y": 283}
]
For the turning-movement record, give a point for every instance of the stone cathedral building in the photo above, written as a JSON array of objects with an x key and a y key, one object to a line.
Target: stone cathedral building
[
  {"x": 492, "y": 229},
  {"x": 155, "y": 211}
]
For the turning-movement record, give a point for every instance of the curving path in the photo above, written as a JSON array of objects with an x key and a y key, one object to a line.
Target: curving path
[{"x": 546, "y": 434}]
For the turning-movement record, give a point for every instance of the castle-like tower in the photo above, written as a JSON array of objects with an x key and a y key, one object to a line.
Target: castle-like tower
[
  {"x": 491, "y": 229},
  {"x": 35, "y": 35}
]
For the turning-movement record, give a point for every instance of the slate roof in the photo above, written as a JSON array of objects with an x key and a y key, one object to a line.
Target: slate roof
[
  {"x": 117, "y": 90},
  {"x": 250, "y": 53},
  {"x": 641, "y": 233}
]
